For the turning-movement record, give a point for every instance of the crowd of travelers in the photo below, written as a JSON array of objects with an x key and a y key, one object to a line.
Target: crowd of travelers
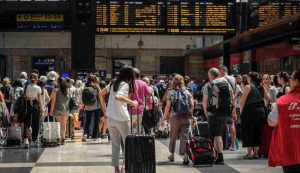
[{"x": 261, "y": 111}]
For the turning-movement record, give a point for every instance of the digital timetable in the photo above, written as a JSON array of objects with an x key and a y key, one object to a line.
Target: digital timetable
[
  {"x": 263, "y": 14},
  {"x": 166, "y": 16}
]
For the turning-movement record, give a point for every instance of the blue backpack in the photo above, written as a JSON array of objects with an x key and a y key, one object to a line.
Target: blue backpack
[{"x": 181, "y": 104}]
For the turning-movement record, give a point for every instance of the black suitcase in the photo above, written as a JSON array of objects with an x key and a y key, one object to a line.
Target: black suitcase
[
  {"x": 203, "y": 129},
  {"x": 139, "y": 153}
]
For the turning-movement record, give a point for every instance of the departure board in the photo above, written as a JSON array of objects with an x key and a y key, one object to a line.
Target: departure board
[
  {"x": 269, "y": 12},
  {"x": 166, "y": 16}
]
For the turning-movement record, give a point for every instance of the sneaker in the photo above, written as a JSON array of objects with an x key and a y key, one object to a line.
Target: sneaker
[
  {"x": 219, "y": 160},
  {"x": 83, "y": 139},
  {"x": 232, "y": 148},
  {"x": 26, "y": 143}
]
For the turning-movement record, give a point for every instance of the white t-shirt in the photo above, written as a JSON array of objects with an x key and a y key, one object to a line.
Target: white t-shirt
[
  {"x": 115, "y": 109},
  {"x": 32, "y": 91}
]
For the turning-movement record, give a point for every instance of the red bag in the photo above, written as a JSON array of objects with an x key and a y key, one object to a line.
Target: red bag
[{"x": 266, "y": 141}]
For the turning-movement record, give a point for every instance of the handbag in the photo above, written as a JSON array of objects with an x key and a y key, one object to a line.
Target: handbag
[{"x": 73, "y": 104}]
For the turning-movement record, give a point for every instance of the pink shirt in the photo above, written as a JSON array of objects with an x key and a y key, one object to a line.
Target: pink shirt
[{"x": 141, "y": 90}]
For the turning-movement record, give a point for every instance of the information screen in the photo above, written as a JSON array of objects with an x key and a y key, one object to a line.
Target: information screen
[
  {"x": 40, "y": 22},
  {"x": 166, "y": 16},
  {"x": 269, "y": 12}
]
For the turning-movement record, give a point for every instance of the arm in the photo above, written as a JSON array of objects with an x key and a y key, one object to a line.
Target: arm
[
  {"x": 287, "y": 89},
  {"x": 205, "y": 103},
  {"x": 167, "y": 111},
  {"x": 47, "y": 98},
  {"x": 40, "y": 103},
  {"x": 126, "y": 100},
  {"x": 53, "y": 100},
  {"x": 266, "y": 95},
  {"x": 102, "y": 95},
  {"x": 192, "y": 106},
  {"x": 244, "y": 97}
]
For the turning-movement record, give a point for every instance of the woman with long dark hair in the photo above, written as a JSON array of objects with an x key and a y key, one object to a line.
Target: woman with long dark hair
[
  {"x": 117, "y": 112},
  {"x": 283, "y": 80},
  {"x": 93, "y": 109},
  {"x": 252, "y": 115},
  {"x": 60, "y": 106}
]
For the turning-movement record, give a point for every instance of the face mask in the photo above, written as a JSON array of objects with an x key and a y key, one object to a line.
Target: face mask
[{"x": 32, "y": 81}]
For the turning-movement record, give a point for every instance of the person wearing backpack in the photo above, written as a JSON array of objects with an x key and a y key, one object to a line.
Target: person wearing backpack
[
  {"x": 15, "y": 92},
  {"x": 180, "y": 105},
  {"x": 217, "y": 105},
  {"x": 91, "y": 101}
]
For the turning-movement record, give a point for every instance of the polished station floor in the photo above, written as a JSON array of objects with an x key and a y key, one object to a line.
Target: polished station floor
[{"x": 94, "y": 157}]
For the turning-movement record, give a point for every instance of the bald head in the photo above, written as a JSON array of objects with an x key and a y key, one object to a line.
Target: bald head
[{"x": 213, "y": 73}]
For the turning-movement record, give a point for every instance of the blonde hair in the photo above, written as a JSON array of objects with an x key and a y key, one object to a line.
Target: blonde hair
[
  {"x": 178, "y": 82},
  {"x": 146, "y": 80}
]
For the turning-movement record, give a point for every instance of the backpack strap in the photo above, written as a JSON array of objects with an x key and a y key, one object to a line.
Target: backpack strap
[{"x": 233, "y": 89}]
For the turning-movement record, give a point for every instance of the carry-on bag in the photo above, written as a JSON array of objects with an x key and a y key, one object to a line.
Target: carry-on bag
[
  {"x": 139, "y": 152},
  {"x": 266, "y": 141},
  {"x": 70, "y": 131},
  {"x": 200, "y": 150},
  {"x": 50, "y": 132},
  {"x": 14, "y": 136}
]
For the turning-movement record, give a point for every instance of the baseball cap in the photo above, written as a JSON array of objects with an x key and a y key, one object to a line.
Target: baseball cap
[
  {"x": 51, "y": 75},
  {"x": 23, "y": 75}
]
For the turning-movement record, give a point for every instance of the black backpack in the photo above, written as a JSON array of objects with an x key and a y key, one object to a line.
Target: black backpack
[
  {"x": 219, "y": 99},
  {"x": 89, "y": 96},
  {"x": 5, "y": 91}
]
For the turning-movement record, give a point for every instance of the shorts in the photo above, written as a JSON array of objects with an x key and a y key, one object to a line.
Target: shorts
[
  {"x": 229, "y": 121},
  {"x": 216, "y": 125}
]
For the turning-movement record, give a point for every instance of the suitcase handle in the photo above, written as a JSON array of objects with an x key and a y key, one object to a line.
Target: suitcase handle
[
  {"x": 195, "y": 128},
  {"x": 48, "y": 118}
]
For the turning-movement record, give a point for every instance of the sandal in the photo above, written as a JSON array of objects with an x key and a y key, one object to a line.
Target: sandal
[
  {"x": 171, "y": 158},
  {"x": 247, "y": 157}
]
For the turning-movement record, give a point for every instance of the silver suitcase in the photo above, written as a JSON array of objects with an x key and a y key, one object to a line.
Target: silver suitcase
[
  {"x": 50, "y": 132},
  {"x": 14, "y": 136}
]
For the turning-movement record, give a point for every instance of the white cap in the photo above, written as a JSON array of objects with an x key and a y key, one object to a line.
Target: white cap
[
  {"x": 51, "y": 75},
  {"x": 23, "y": 75},
  {"x": 43, "y": 78}
]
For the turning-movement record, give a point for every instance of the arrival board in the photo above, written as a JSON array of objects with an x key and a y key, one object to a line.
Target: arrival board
[{"x": 166, "y": 16}]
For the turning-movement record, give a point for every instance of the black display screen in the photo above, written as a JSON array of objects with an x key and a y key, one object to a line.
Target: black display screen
[
  {"x": 265, "y": 12},
  {"x": 166, "y": 16}
]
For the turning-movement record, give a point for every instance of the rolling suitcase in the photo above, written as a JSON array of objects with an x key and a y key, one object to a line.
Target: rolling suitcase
[
  {"x": 203, "y": 130},
  {"x": 50, "y": 132},
  {"x": 70, "y": 128},
  {"x": 14, "y": 136},
  {"x": 139, "y": 153},
  {"x": 200, "y": 150},
  {"x": 266, "y": 141}
]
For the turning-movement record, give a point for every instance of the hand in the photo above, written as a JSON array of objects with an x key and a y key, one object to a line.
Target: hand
[
  {"x": 135, "y": 104},
  {"x": 234, "y": 117},
  {"x": 162, "y": 122},
  {"x": 51, "y": 113},
  {"x": 194, "y": 119}
]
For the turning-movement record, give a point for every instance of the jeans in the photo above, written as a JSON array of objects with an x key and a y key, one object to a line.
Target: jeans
[
  {"x": 118, "y": 131},
  {"x": 32, "y": 119},
  {"x": 88, "y": 117}
]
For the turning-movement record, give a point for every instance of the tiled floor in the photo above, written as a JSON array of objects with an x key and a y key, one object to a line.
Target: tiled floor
[{"x": 94, "y": 157}]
